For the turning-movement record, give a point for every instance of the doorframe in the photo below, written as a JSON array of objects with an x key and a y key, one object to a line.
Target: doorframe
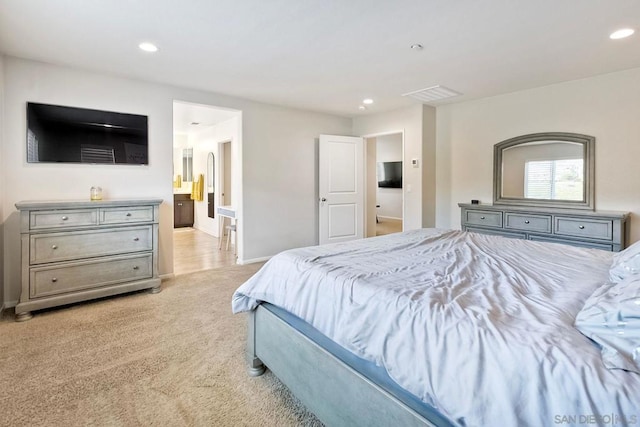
[
  {"x": 366, "y": 147},
  {"x": 221, "y": 172}
]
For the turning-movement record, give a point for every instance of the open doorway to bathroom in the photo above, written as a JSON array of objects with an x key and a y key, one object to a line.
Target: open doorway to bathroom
[
  {"x": 384, "y": 194},
  {"x": 200, "y": 175}
]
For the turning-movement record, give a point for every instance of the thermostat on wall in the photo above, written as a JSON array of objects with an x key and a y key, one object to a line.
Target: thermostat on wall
[{"x": 414, "y": 163}]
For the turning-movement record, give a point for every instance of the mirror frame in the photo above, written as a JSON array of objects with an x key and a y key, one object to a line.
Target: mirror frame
[
  {"x": 211, "y": 181},
  {"x": 588, "y": 147}
]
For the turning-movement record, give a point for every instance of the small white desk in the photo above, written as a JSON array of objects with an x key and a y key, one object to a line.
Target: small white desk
[{"x": 227, "y": 212}]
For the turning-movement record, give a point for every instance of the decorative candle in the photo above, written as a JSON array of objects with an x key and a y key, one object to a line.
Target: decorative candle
[{"x": 96, "y": 193}]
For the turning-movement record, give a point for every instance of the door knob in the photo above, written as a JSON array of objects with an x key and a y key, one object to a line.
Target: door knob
[{"x": 323, "y": 199}]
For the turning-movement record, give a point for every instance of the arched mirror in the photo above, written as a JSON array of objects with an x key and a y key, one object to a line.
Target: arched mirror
[
  {"x": 552, "y": 169},
  {"x": 211, "y": 180}
]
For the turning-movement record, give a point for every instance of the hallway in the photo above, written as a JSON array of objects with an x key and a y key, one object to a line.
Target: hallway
[{"x": 194, "y": 250}]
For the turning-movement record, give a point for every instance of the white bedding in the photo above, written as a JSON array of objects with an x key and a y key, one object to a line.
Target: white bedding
[{"x": 480, "y": 327}]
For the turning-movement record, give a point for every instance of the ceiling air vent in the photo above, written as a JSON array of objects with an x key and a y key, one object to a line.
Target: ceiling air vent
[{"x": 433, "y": 93}]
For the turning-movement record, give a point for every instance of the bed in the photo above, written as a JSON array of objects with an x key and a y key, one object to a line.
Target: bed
[{"x": 445, "y": 327}]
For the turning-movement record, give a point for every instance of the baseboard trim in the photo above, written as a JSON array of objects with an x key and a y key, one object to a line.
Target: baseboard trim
[
  {"x": 253, "y": 260},
  {"x": 390, "y": 217},
  {"x": 164, "y": 277}
]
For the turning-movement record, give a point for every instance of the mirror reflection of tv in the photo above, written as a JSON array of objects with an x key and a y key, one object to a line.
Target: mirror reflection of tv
[
  {"x": 58, "y": 134},
  {"x": 389, "y": 174}
]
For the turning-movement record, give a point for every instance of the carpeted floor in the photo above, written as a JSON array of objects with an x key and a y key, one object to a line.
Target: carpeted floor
[{"x": 171, "y": 359}]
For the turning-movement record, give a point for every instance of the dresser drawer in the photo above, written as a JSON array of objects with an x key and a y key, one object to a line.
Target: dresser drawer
[
  {"x": 589, "y": 228},
  {"x": 486, "y": 218},
  {"x": 126, "y": 215},
  {"x": 54, "y": 247},
  {"x": 527, "y": 222},
  {"x": 578, "y": 243},
  {"x": 497, "y": 232},
  {"x": 54, "y": 280},
  {"x": 62, "y": 218}
]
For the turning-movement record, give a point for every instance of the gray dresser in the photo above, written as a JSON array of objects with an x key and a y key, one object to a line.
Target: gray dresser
[
  {"x": 80, "y": 250},
  {"x": 594, "y": 229}
]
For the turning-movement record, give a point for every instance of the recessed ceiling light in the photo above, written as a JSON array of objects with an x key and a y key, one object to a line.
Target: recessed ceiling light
[
  {"x": 148, "y": 47},
  {"x": 416, "y": 46},
  {"x": 367, "y": 101},
  {"x": 620, "y": 34},
  {"x": 362, "y": 107}
]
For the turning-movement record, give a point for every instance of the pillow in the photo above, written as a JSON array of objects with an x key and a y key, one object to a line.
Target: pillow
[
  {"x": 611, "y": 318},
  {"x": 625, "y": 263}
]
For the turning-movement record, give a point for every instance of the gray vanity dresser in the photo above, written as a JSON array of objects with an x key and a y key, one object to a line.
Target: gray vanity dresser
[
  {"x": 544, "y": 191},
  {"x": 601, "y": 230},
  {"x": 79, "y": 250}
]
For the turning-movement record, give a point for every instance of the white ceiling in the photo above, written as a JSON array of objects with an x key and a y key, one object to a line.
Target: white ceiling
[
  {"x": 327, "y": 55},
  {"x": 189, "y": 118}
]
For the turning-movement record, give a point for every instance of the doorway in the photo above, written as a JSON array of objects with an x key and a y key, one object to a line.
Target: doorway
[
  {"x": 201, "y": 130},
  {"x": 384, "y": 188}
]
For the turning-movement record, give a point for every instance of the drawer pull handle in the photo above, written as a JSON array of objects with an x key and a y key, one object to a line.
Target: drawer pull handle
[
  {"x": 64, "y": 218},
  {"x": 54, "y": 247},
  {"x": 135, "y": 267},
  {"x": 128, "y": 213},
  {"x": 179, "y": 204},
  {"x": 135, "y": 239},
  {"x": 481, "y": 217},
  {"x": 54, "y": 280},
  {"x": 526, "y": 221},
  {"x": 581, "y": 227}
]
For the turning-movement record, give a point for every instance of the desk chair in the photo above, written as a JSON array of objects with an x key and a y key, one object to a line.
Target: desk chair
[{"x": 230, "y": 228}]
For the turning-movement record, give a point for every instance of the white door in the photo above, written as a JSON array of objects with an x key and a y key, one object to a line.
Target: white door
[{"x": 341, "y": 182}]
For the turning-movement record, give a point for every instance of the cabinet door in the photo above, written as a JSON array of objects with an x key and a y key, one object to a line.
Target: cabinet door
[{"x": 183, "y": 212}]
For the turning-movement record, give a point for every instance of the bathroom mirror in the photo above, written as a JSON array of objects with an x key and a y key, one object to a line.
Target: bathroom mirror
[
  {"x": 187, "y": 165},
  {"x": 552, "y": 169}
]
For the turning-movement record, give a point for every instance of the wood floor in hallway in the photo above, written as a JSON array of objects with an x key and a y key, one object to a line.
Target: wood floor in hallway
[{"x": 195, "y": 250}]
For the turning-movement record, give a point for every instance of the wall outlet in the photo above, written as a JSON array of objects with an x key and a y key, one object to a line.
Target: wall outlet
[{"x": 415, "y": 163}]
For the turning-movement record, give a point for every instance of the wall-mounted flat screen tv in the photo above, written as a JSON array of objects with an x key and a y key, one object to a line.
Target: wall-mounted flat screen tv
[
  {"x": 389, "y": 174},
  {"x": 57, "y": 134}
]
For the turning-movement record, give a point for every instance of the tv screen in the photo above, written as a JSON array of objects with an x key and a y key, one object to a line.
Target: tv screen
[
  {"x": 390, "y": 174},
  {"x": 57, "y": 134}
]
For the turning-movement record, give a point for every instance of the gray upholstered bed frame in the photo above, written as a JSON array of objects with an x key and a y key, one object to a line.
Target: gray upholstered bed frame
[{"x": 336, "y": 393}]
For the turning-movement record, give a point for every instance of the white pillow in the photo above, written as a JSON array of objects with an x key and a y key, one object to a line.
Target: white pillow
[
  {"x": 625, "y": 263},
  {"x": 611, "y": 318}
]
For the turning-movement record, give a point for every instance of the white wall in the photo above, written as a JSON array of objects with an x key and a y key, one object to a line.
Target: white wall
[
  {"x": 607, "y": 107},
  {"x": 371, "y": 187},
  {"x": 280, "y": 177},
  {"x": 417, "y": 123},
  {"x": 278, "y": 170},
  {"x": 2, "y": 183},
  {"x": 389, "y": 149}
]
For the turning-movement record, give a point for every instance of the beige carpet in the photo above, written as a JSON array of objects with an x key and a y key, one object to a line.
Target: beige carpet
[{"x": 171, "y": 359}]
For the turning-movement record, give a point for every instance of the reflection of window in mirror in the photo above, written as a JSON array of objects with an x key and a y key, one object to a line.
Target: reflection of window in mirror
[
  {"x": 543, "y": 170},
  {"x": 187, "y": 165},
  {"x": 554, "y": 179}
]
